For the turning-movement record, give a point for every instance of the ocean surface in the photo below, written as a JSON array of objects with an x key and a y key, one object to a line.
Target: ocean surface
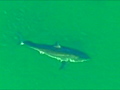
[{"x": 89, "y": 26}]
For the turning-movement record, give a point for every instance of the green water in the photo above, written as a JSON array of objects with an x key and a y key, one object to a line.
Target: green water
[{"x": 90, "y": 26}]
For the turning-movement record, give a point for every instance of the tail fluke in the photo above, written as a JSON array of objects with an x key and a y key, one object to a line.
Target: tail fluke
[{"x": 20, "y": 38}]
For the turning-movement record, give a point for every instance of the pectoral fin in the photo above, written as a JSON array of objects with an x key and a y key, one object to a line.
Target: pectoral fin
[{"x": 63, "y": 64}]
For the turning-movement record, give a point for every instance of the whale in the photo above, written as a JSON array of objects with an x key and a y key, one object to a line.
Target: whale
[{"x": 62, "y": 53}]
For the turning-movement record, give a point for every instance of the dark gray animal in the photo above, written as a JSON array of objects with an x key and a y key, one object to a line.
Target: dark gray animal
[{"x": 61, "y": 53}]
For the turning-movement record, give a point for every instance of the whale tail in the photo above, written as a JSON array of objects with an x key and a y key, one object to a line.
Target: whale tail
[
  {"x": 11, "y": 36},
  {"x": 20, "y": 38}
]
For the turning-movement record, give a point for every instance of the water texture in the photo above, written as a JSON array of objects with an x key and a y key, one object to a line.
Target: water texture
[{"x": 89, "y": 26}]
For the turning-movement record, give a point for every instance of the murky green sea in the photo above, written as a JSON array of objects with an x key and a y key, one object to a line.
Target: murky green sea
[{"x": 89, "y": 26}]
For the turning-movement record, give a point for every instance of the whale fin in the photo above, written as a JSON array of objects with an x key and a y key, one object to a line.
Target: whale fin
[
  {"x": 63, "y": 64},
  {"x": 57, "y": 45}
]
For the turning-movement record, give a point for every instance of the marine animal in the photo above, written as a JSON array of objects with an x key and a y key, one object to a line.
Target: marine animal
[
  {"x": 62, "y": 53},
  {"x": 58, "y": 52}
]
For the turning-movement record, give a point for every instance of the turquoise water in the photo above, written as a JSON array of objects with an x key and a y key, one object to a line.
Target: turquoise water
[{"x": 90, "y": 26}]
